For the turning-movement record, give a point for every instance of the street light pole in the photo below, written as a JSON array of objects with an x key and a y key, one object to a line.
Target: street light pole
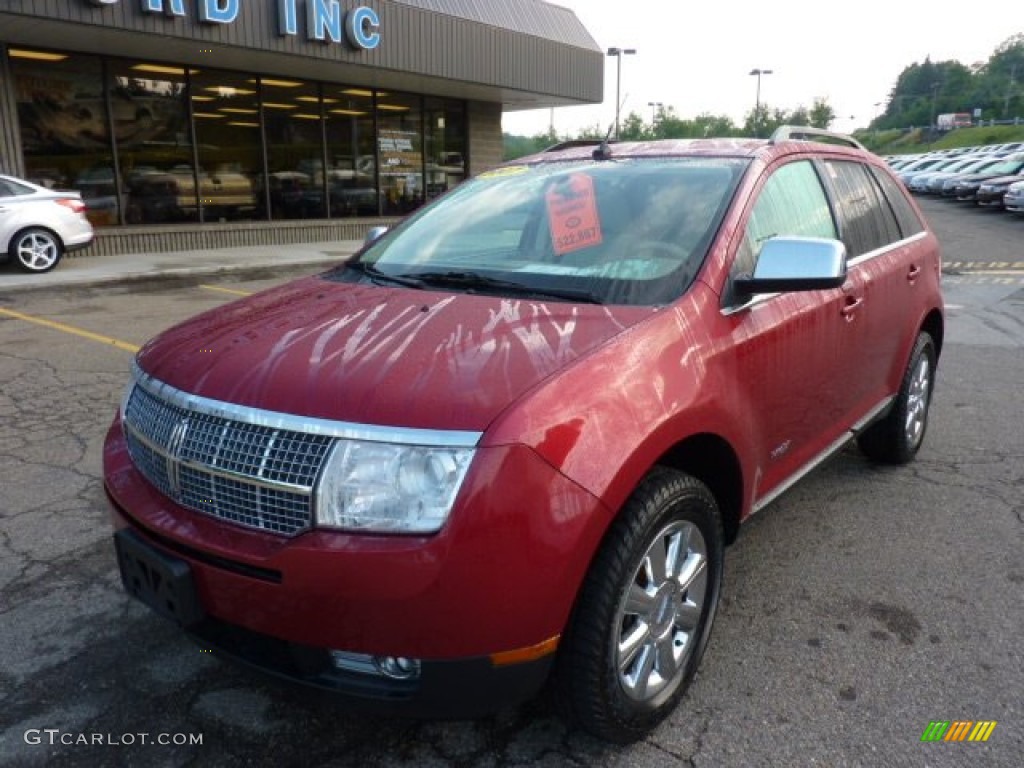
[
  {"x": 757, "y": 101},
  {"x": 655, "y": 108},
  {"x": 618, "y": 53}
]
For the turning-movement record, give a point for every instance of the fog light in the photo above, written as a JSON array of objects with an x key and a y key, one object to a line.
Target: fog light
[
  {"x": 397, "y": 667},
  {"x": 354, "y": 662}
]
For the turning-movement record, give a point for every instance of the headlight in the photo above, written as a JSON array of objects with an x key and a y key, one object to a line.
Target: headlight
[{"x": 389, "y": 488}]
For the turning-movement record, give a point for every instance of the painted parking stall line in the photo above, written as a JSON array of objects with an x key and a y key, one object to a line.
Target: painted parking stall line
[
  {"x": 220, "y": 289},
  {"x": 983, "y": 272},
  {"x": 980, "y": 266},
  {"x": 80, "y": 332}
]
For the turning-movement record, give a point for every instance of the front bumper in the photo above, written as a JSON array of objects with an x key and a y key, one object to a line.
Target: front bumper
[
  {"x": 501, "y": 577},
  {"x": 1014, "y": 203},
  {"x": 456, "y": 688},
  {"x": 990, "y": 199}
]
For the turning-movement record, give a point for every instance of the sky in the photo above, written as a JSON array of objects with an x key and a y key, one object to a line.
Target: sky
[{"x": 696, "y": 56}]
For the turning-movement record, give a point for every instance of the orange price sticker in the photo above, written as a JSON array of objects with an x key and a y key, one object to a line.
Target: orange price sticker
[{"x": 572, "y": 211}]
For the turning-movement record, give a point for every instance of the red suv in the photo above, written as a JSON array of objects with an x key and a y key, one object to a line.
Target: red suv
[{"x": 507, "y": 442}]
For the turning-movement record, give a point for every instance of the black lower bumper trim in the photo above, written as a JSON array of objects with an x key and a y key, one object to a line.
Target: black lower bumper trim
[{"x": 462, "y": 688}]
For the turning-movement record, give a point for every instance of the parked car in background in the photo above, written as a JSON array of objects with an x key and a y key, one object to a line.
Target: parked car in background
[
  {"x": 930, "y": 162},
  {"x": 933, "y": 182},
  {"x": 908, "y": 176},
  {"x": 1013, "y": 200},
  {"x": 921, "y": 181},
  {"x": 966, "y": 187},
  {"x": 511, "y": 438},
  {"x": 991, "y": 193},
  {"x": 169, "y": 196},
  {"x": 987, "y": 163},
  {"x": 39, "y": 225}
]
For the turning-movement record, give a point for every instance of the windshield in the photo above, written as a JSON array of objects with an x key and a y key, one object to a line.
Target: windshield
[{"x": 610, "y": 232}]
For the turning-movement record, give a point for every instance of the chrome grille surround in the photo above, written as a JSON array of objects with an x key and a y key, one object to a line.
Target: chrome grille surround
[
  {"x": 257, "y": 475},
  {"x": 249, "y": 466}
]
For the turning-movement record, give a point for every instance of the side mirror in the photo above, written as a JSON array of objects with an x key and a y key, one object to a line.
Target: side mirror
[
  {"x": 374, "y": 234},
  {"x": 796, "y": 264}
]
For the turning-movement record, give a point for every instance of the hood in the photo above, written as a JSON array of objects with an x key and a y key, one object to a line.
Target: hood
[
  {"x": 980, "y": 176},
  {"x": 1011, "y": 179},
  {"x": 379, "y": 355}
]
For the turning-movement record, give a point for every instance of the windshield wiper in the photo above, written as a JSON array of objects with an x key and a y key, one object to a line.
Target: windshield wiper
[
  {"x": 473, "y": 280},
  {"x": 376, "y": 275}
]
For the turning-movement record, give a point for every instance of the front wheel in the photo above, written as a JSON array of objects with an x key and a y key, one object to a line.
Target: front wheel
[
  {"x": 36, "y": 250},
  {"x": 897, "y": 438},
  {"x": 645, "y": 611}
]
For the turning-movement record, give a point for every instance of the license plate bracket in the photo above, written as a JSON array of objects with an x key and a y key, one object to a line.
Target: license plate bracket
[{"x": 161, "y": 581}]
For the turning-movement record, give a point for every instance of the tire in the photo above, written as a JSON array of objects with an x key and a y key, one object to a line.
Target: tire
[
  {"x": 36, "y": 250},
  {"x": 897, "y": 437},
  {"x": 661, "y": 616}
]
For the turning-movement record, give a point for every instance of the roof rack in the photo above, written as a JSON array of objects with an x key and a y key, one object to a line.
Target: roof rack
[
  {"x": 807, "y": 133},
  {"x": 573, "y": 143}
]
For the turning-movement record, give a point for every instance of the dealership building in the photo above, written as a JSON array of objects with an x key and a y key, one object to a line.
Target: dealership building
[{"x": 209, "y": 123}]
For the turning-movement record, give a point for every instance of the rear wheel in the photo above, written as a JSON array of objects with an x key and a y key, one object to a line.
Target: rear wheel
[
  {"x": 897, "y": 438},
  {"x": 644, "y": 614},
  {"x": 36, "y": 250}
]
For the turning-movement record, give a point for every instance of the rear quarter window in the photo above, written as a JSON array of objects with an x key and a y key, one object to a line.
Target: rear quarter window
[
  {"x": 866, "y": 221},
  {"x": 909, "y": 221}
]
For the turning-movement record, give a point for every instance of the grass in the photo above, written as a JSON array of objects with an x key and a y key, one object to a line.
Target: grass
[{"x": 921, "y": 140}]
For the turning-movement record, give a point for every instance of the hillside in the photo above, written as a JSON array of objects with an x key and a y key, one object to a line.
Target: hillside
[{"x": 897, "y": 142}]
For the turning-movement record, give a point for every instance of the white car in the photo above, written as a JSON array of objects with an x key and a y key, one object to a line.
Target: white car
[
  {"x": 38, "y": 225},
  {"x": 1013, "y": 200}
]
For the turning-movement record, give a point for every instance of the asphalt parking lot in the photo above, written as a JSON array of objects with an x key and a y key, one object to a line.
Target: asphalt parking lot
[{"x": 863, "y": 605}]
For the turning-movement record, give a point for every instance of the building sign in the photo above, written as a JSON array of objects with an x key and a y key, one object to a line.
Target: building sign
[{"x": 326, "y": 21}]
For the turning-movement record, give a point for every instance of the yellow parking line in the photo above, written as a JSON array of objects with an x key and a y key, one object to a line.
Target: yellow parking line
[
  {"x": 226, "y": 290},
  {"x": 982, "y": 266},
  {"x": 1009, "y": 272},
  {"x": 70, "y": 329}
]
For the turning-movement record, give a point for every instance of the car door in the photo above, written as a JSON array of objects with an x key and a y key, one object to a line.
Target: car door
[
  {"x": 884, "y": 267},
  {"x": 787, "y": 348}
]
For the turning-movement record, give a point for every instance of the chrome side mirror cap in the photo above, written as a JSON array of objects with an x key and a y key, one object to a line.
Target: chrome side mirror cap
[
  {"x": 796, "y": 264},
  {"x": 374, "y": 234}
]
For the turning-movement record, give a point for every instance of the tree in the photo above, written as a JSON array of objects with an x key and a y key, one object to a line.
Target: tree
[{"x": 822, "y": 115}]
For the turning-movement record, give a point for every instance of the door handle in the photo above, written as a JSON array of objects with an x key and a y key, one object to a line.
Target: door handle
[
  {"x": 913, "y": 272},
  {"x": 850, "y": 307}
]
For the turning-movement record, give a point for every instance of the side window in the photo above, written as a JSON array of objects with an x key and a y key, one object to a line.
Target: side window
[
  {"x": 13, "y": 189},
  {"x": 792, "y": 202},
  {"x": 909, "y": 222},
  {"x": 865, "y": 220}
]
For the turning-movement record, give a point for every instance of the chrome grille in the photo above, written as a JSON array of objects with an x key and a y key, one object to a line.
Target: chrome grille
[{"x": 255, "y": 475}]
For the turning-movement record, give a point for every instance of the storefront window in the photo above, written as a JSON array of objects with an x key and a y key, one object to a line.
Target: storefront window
[
  {"x": 226, "y": 115},
  {"x": 201, "y": 145},
  {"x": 295, "y": 155},
  {"x": 400, "y": 139},
  {"x": 351, "y": 158},
  {"x": 65, "y": 135},
  {"x": 154, "y": 147},
  {"x": 445, "y": 141}
]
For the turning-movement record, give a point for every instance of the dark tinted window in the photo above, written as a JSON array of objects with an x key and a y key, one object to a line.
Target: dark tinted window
[
  {"x": 65, "y": 128},
  {"x": 865, "y": 221},
  {"x": 12, "y": 189},
  {"x": 293, "y": 131},
  {"x": 226, "y": 111},
  {"x": 910, "y": 223}
]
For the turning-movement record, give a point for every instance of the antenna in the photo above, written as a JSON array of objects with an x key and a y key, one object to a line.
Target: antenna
[{"x": 604, "y": 152}]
